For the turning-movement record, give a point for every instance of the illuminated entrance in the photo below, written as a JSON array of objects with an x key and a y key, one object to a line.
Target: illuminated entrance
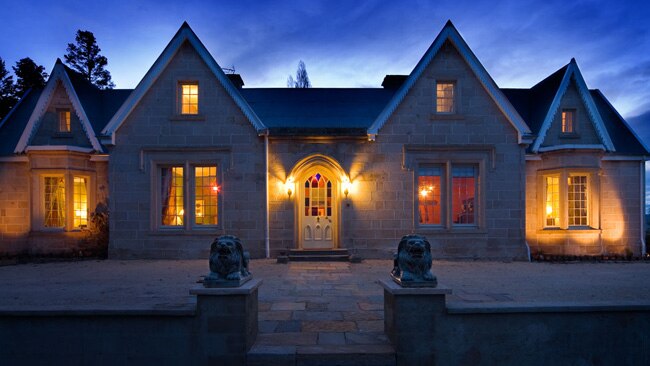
[
  {"x": 317, "y": 213},
  {"x": 317, "y": 180}
]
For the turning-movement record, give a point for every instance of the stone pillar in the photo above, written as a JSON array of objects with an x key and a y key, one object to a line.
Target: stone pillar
[
  {"x": 227, "y": 322},
  {"x": 410, "y": 315}
]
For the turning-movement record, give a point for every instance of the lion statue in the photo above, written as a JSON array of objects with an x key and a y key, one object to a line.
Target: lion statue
[
  {"x": 412, "y": 264},
  {"x": 228, "y": 260}
]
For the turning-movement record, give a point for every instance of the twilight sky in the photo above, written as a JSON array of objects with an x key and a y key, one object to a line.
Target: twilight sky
[{"x": 353, "y": 43}]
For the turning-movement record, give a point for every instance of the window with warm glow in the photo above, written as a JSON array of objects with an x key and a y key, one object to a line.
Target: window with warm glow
[
  {"x": 463, "y": 194},
  {"x": 64, "y": 120},
  {"x": 205, "y": 195},
  {"x": 429, "y": 189},
  {"x": 189, "y": 103},
  {"x": 318, "y": 196},
  {"x": 445, "y": 97},
  {"x": 552, "y": 201},
  {"x": 577, "y": 200},
  {"x": 54, "y": 200},
  {"x": 171, "y": 192},
  {"x": 568, "y": 120},
  {"x": 80, "y": 202}
]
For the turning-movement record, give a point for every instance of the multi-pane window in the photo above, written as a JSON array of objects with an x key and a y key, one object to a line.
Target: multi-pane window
[
  {"x": 552, "y": 201},
  {"x": 568, "y": 120},
  {"x": 318, "y": 196},
  {"x": 188, "y": 196},
  {"x": 430, "y": 190},
  {"x": 463, "y": 194},
  {"x": 80, "y": 201},
  {"x": 566, "y": 200},
  {"x": 205, "y": 195},
  {"x": 189, "y": 98},
  {"x": 445, "y": 97},
  {"x": 577, "y": 200},
  {"x": 171, "y": 192},
  {"x": 444, "y": 199},
  {"x": 54, "y": 200},
  {"x": 64, "y": 120}
]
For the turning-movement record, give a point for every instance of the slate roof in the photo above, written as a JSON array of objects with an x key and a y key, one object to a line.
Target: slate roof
[
  {"x": 317, "y": 111},
  {"x": 99, "y": 105},
  {"x": 14, "y": 124}
]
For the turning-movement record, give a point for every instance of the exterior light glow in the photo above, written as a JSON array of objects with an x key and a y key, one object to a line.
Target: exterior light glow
[
  {"x": 346, "y": 185},
  {"x": 288, "y": 186}
]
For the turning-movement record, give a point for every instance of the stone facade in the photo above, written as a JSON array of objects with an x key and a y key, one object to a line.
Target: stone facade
[{"x": 155, "y": 135}]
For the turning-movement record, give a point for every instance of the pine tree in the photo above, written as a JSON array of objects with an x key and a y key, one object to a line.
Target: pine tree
[
  {"x": 83, "y": 56},
  {"x": 302, "y": 79},
  {"x": 7, "y": 93},
  {"x": 28, "y": 75}
]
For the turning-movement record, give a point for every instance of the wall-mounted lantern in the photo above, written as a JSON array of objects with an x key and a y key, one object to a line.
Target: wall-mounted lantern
[
  {"x": 288, "y": 186},
  {"x": 346, "y": 186}
]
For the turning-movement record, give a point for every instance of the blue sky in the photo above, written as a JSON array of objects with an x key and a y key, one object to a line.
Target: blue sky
[{"x": 352, "y": 43}]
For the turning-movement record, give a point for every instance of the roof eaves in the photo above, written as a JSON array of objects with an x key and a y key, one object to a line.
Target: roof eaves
[
  {"x": 185, "y": 33},
  {"x": 449, "y": 32},
  {"x": 640, "y": 140},
  {"x": 11, "y": 112},
  {"x": 573, "y": 71},
  {"x": 58, "y": 73}
]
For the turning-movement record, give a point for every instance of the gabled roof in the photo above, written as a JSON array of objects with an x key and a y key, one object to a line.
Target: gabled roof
[
  {"x": 59, "y": 74},
  {"x": 625, "y": 140},
  {"x": 572, "y": 72},
  {"x": 450, "y": 33},
  {"x": 184, "y": 34},
  {"x": 317, "y": 111}
]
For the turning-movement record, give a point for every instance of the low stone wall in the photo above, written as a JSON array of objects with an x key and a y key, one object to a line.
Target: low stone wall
[
  {"x": 220, "y": 330},
  {"x": 526, "y": 335}
]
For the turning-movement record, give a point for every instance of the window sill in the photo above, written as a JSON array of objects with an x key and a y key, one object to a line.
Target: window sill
[
  {"x": 453, "y": 230},
  {"x": 577, "y": 230},
  {"x": 63, "y": 135},
  {"x": 187, "y": 117},
  {"x": 209, "y": 231},
  {"x": 447, "y": 116}
]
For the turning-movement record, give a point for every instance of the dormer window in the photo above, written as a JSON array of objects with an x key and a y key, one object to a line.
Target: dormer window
[
  {"x": 445, "y": 96},
  {"x": 568, "y": 120},
  {"x": 189, "y": 98},
  {"x": 64, "y": 120}
]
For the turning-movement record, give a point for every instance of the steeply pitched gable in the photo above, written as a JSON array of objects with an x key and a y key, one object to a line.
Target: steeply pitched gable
[
  {"x": 59, "y": 75},
  {"x": 572, "y": 73},
  {"x": 184, "y": 34},
  {"x": 450, "y": 33}
]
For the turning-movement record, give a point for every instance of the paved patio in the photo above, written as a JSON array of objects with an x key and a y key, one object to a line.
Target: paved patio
[{"x": 312, "y": 305}]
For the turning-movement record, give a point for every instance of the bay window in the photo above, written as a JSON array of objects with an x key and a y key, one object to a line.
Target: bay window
[
  {"x": 569, "y": 200},
  {"x": 64, "y": 202}
]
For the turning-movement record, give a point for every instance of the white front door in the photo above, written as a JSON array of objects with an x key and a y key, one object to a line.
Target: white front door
[{"x": 317, "y": 212}]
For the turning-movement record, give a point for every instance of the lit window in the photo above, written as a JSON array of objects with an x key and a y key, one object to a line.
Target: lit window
[
  {"x": 577, "y": 191},
  {"x": 189, "y": 98},
  {"x": 172, "y": 196},
  {"x": 64, "y": 120},
  {"x": 445, "y": 97},
  {"x": 429, "y": 191},
  {"x": 80, "y": 202},
  {"x": 566, "y": 202},
  {"x": 568, "y": 120},
  {"x": 318, "y": 196},
  {"x": 552, "y": 202},
  {"x": 206, "y": 193},
  {"x": 463, "y": 194},
  {"x": 54, "y": 200}
]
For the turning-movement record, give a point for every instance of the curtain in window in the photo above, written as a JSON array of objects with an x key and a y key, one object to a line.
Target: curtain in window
[
  {"x": 429, "y": 190},
  {"x": 54, "y": 190},
  {"x": 463, "y": 194},
  {"x": 171, "y": 188}
]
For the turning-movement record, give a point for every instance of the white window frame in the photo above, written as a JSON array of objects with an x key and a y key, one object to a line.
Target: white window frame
[
  {"x": 593, "y": 188},
  {"x": 454, "y": 97},
  {"x": 179, "y": 97},
  {"x": 38, "y": 216}
]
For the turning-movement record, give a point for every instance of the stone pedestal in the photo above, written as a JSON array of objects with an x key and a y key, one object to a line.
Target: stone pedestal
[
  {"x": 410, "y": 316},
  {"x": 227, "y": 321}
]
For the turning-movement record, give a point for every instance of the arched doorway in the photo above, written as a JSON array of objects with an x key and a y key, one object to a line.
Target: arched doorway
[{"x": 318, "y": 208}]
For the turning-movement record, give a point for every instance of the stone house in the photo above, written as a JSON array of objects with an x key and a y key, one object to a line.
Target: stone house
[{"x": 190, "y": 153}]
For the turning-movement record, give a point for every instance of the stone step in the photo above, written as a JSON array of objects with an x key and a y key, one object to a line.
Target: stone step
[
  {"x": 319, "y": 255},
  {"x": 321, "y": 355}
]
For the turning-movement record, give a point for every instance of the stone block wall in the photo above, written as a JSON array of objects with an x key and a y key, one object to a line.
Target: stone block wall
[
  {"x": 14, "y": 207},
  {"x": 382, "y": 205},
  {"x": 154, "y": 135},
  {"x": 615, "y": 206}
]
